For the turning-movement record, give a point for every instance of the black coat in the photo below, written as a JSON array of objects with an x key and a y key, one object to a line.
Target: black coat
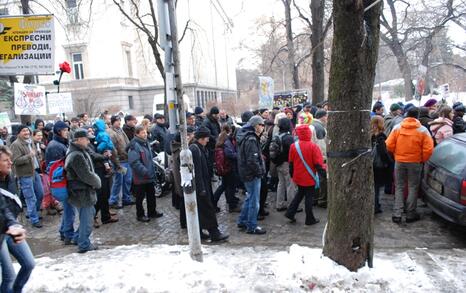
[
  {"x": 207, "y": 217},
  {"x": 214, "y": 128},
  {"x": 459, "y": 126},
  {"x": 141, "y": 161},
  {"x": 382, "y": 176},
  {"x": 9, "y": 209},
  {"x": 159, "y": 133},
  {"x": 250, "y": 163}
]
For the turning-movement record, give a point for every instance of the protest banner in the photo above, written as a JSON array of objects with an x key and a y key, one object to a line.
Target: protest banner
[
  {"x": 4, "y": 119},
  {"x": 29, "y": 99},
  {"x": 266, "y": 89},
  {"x": 58, "y": 103},
  {"x": 27, "y": 45}
]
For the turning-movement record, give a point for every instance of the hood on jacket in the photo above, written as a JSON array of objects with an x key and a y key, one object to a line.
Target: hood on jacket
[
  {"x": 303, "y": 132},
  {"x": 284, "y": 125},
  {"x": 99, "y": 126},
  {"x": 244, "y": 132},
  {"x": 410, "y": 123},
  {"x": 134, "y": 141}
]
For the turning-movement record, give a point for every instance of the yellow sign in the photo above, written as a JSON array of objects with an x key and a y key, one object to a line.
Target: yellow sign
[{"x": 27, "y": 45}]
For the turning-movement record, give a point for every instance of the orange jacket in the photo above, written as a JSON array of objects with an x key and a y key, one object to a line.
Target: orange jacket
[{"x": 410, "y": 142}]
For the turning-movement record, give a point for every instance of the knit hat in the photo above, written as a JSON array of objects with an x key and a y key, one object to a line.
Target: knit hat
[
  {"x": 214, "y": 110},
  {"x": 81, "y": 132},
  {"x": 459, "y": 107},
  {"x": 407, "y": 107},
  {"x": 202, "y": 132},
  {"x": 430, "y": 103},
  {"x": 246, "y": 116},
  {"x": 59, "y": 126},
  {"x": 198, "y": 110},
  {"x": 22, "y": 126},
  {"x": 129, "y": 118},
  {"x": 114, "y": 118},
  {"x": 320, "y": 114},
  {"x": 158, "y": 116},
  {"x": 189, "y": 114},
  {"x": 395, "y": 107},
  {"x": 256, "y": 120}
]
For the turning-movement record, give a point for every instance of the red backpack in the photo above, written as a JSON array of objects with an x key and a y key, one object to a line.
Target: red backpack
[
  {"x": 222, "y": 164},
  {"x": 57, "y": 178}
]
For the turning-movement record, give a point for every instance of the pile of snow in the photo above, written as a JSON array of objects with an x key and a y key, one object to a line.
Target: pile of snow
[{"x": 164, "y": 268}]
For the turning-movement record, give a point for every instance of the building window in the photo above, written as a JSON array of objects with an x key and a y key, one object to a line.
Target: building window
[
  {"x": 129, "y": 63},
  {"x": 4, "y": 11},
  {"x": 72, "y": 11},
  {"x": 130, "y": 102},
  {"x": 78, "y": 66},
  {"x": 198, "y": 97}
]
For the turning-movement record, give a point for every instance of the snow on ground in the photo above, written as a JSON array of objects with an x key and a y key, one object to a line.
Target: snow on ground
[{"x": 164, "y": 268}]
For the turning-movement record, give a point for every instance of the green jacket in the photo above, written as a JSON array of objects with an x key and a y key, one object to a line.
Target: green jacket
[
  {"x": 23, "y": 164},
  {"x": 82, "y": 180}
]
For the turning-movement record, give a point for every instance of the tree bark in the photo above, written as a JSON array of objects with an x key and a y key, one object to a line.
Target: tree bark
[
  {"x": 290, "y": 45},
  {"x": 318, "y": 60},
  {"x": 404, "y": 67},
  {"x": 349, "y": 235}
]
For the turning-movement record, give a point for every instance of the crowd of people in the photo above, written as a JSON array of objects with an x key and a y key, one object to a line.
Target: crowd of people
[
  {"x": 402, "y": 141},
  {"x": 107, "y": 164}
]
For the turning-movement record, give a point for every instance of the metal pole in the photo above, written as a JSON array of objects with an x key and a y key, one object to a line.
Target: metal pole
[
  {"x": 166, "y": 44},
  {"x": 186, "y": 158}
]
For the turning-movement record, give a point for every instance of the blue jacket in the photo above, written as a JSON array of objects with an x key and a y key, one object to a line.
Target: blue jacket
[
  {"x": 56, "y": 149},
  {"x": 104, "y": 143},
  {"x": 140, "y": 160}
]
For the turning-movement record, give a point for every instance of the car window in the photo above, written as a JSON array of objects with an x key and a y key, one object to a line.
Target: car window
[{"x": 451, "y": 156}]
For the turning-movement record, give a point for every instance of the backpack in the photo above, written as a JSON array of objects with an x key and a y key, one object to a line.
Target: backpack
[
  {"x": 276, "y": 147},
  {"x": 57, "y": 179},
  {"x": 222, "y": 164}
]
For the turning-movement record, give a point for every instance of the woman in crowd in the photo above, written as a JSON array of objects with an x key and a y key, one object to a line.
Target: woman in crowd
[{"x": 442, "y": 127}]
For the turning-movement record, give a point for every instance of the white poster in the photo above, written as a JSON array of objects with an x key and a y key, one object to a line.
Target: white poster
[
  {"x": 27, "y": 45},
  {"x": 29, "y": 99},
  {"x": 266, "y": 92},
  {"x": 59, "y": 103}
]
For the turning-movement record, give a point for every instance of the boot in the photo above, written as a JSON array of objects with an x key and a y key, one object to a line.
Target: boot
[{"x": 216, "y": 235}]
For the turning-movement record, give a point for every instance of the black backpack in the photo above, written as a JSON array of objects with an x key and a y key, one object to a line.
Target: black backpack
[{"x": 276, "y": 147}]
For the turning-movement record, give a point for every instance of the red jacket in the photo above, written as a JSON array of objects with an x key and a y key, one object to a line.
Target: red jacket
[{"x": 311, "y": 154}]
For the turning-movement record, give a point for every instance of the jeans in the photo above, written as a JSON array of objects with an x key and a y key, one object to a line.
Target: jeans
[
  {"x": 31, "y": 187},
  {"x": 86, "y": 219},
  {"x": 67, "y": 221},
  {"x": 146, "y": 191},
  {"x": 411, "y": 173},
  {"x": 285, "y": 187},
  {"x": 248, "y": 215},
  {"x": 21, "y": 251},
  {"x": 308, "y": 193},
  {"x": 120, "y": 182}
]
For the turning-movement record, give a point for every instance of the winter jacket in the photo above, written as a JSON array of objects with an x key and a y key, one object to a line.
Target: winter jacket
[
  {"x": 311, "y": 154},
  {"x": 23, "y": 160},
  {"x": 97, "y": 159},
  {"x": 199, "y": 121},
  {"x": 425, "y": 118},
  {"x": 286, "y": 142},
  {"x": 250, "y": 163},
  {"x": 459, "y": 125},
  {"x": 214, "y": 128},
  {"x": 320, "y": 137},
  {"x": 13, "y": 203},
  {"x": 140, "y": 160},
  {"x": 159, "y": 133},
  {"x": 382, "y": 176},
  {"x": 201, "y": 174},
  {"x": 102, "y": 138},
  {"x": 56, "y": 149},
  {"x": 231, "y": 153},
  {"x": 129, "y": 131},
  {"x": 7, "y": 217},
  {"x": 410, "y": 142},
  {"x": 120, "y": 142},
  {"x": 441, "y": 128},
  {"x": 227, "y": 120},
  {"x": 390, "y": 121},
  {"x": 82, "y": 180}
]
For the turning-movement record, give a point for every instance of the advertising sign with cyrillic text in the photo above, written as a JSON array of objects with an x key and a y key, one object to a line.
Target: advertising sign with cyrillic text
[{"x": 27, "y": 45}]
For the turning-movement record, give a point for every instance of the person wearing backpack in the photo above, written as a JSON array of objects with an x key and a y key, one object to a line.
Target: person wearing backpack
[
  {"x": 306, "y": 162},
  {"x": 225, "y": 163},
  {"x": 279, "y": 150}
]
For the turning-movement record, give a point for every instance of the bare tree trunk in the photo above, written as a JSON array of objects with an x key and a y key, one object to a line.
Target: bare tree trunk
[
  {"x": 27, "y": 78},
  {"x": 290, "y": 45},
  {"x": 318, "y": 60},
  {"x": 405, "y": 69},
  {"x": 349, "y": 235}
]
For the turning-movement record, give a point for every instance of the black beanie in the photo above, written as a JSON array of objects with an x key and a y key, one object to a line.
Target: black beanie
[
  {"x": 21, "y": 127},
  {"x": 214, "y": 110},
  {"x": 202, "y": 132}
]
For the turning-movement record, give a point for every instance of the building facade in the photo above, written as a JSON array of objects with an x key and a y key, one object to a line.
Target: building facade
[{"x": 113, "y": 65}]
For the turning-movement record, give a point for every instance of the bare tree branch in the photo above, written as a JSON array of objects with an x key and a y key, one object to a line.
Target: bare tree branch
[{"x": 184, "y": 31}]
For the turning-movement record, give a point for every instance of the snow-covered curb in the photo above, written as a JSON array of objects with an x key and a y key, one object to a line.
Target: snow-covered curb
[{"x": 164, "y": 268}]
